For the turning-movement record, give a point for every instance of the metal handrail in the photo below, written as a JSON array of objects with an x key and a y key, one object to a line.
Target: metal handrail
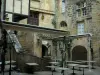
[{"x": 12, "y": 38}]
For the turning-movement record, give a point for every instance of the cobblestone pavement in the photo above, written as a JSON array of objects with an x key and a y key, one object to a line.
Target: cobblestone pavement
[{"x": 68, "y": 72}]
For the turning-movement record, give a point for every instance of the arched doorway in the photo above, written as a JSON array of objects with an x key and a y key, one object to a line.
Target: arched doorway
[
  {"x": 79, "y": 53},
  {"x": 44, "y": 51}
]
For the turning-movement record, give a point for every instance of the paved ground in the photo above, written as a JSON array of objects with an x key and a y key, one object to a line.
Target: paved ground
[{"x": 68, "y": 72}]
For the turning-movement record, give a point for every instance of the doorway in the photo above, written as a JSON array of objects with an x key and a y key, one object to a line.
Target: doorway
[
  {"x": 79, "y": 53},
  {"x": 44, "y": 50}
]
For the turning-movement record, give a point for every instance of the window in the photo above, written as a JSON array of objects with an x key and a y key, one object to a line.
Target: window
[
  {"x": 63, "y": 24},
  {"x": 84, "y": 11},
  {"x": 80, "y": 29},
  {"x": 90, "y": 8},
  {"x": 81, "y": 9},
  {"x": 63, "y": 6},
  {"x": 78, "y": 13},
  {"x": 34, "y": 18}
]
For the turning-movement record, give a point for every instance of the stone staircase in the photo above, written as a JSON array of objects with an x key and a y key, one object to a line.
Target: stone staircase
[
  {"x": 23, "y": 55},
  {"x": 24, "y": 58}
]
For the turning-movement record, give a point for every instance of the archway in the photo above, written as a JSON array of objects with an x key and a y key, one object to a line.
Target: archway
[
  {"x": 79, "y": 53},
  {"x": 44, "y": 51}
]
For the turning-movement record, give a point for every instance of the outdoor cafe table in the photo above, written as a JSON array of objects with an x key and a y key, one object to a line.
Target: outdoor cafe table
[
  {"x": 73, "y": 65},
  {"x": 83, "y": 66},
  {"x": 53, "y": 63},
  {"x": 56, "y": 59},
  {"x": 52, "y": 68},
  {"x": 62, "y": 69},
  {"x": 77, "y": 62},
  {"x": 88, "y": 62},
  {"x": 8, "y": 62},
  {"x": 69, "y": 62},
  {"x": 32, "y": 64}
]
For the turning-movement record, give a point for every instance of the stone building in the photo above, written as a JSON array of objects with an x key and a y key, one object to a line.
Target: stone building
[
  {"x": 83, "y": 17},
  {"x": 39, "y": 13},
  {"x": 30, "y": 25}
]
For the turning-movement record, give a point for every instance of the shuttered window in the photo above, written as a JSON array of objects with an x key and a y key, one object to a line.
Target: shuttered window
[{"x": 34, "y": 18}]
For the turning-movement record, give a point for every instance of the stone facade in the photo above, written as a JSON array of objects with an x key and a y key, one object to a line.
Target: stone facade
[{"x": 90, "y": 17}]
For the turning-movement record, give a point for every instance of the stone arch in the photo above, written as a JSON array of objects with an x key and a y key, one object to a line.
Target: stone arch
[{"x": 79, "y": 53}]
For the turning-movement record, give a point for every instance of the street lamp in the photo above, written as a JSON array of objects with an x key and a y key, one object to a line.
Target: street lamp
[
  {"x": 10, "y": 45},
  {"x": 62, "y": 50}
]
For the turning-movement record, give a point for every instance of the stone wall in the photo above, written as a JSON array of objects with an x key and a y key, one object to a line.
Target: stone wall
[
  {"x": 23, "y": 58},
  {"x": 92, "y": 22}
]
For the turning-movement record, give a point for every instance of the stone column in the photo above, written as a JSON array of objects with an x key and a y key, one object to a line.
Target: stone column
[{"x": 89, "y": 52}]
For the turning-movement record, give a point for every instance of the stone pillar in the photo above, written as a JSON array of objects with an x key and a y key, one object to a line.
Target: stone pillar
[{"x": 89, "y": 52}]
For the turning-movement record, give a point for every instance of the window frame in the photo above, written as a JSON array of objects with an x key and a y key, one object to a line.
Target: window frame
[
  {"x": 80, "y": 28},
  {"x": 33, "y": 19}
]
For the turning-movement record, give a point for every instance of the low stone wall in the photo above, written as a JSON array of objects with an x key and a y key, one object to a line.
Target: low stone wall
[{"x": 23, "y": 58}]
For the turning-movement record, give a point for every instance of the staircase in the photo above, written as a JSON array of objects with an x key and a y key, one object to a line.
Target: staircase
[
  {"x": 23, "y": 56},
  {"x": 12, "y": 38}
]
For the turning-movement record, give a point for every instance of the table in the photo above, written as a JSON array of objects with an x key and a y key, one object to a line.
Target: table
[
  {"x": 77, "y": 62},
  {"x": 62, "y": 68},
  {"x": 90, "y": 62},
  {"x": 73, "y": 65},
  {"x": 52, "y": 67},
  {"x": 8, "y": 66},
  {"x": 56, "y": 59},
  {"x": 83, "y": 66},
  {"x": 53, "y": 63},
  {"x": 8, "y": 62},
  {"x": 69, "y": 62},
  {"x": 32, "y": 64}
]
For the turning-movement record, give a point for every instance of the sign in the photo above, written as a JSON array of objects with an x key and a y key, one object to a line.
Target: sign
[{"x": 44, "y": 42}]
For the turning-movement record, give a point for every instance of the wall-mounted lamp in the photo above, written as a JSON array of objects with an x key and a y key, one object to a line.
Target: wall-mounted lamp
[
  {"x": 6, "y": 17},
  {"x": 42, "y": 17}
]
